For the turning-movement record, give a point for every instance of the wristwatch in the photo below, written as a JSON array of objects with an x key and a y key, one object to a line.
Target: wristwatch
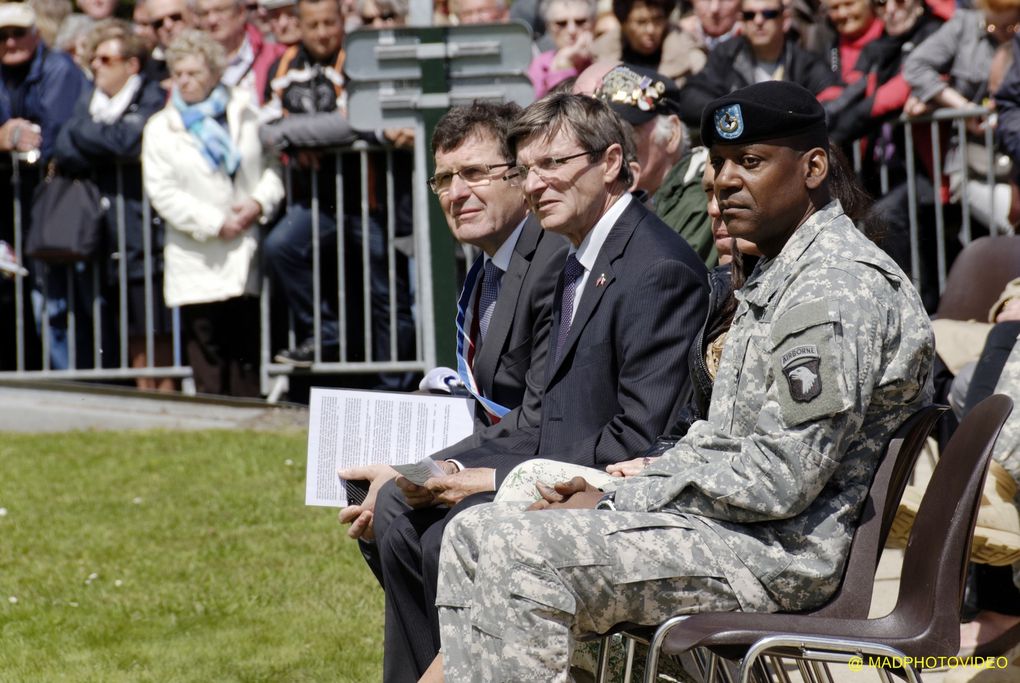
[{"x": 606, "y": 502}]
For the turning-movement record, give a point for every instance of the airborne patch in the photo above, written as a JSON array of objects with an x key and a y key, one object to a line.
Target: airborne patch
[{"x": 801, "y": 367}]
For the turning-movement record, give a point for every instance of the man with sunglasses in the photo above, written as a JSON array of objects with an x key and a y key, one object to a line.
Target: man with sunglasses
[
  {"x": 629, "y": 300},
  {"x": 167, "y": 18},
  {"x": 38, "y": 90},
  {"x": 761, "y": 53},
  {"x": 39, "y": 87}
]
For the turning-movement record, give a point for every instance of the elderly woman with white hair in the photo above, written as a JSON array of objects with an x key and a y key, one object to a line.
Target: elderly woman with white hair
[
  {"x": 209, "y": 178},
  {"x": 570, "y": 24}
]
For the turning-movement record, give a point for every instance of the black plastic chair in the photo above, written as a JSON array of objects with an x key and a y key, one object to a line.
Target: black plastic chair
[
  {"x": 926, "y": 619},
  {"x": 978, "y": 275},
  {"x": 852, "y": 598}
]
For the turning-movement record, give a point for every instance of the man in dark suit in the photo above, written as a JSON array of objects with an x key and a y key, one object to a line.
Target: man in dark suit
[
  {"x": 628, "y": 303},
  {"x": 504, "y": 311}
]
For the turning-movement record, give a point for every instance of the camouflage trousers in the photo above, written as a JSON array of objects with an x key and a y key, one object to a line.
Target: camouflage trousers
[{"x": 517, "y": 588}]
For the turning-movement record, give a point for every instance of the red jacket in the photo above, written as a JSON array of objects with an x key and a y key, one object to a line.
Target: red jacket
[{"x": 265, "y": 54}]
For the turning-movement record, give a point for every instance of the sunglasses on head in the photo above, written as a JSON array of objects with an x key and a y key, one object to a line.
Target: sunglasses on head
[
  {"x": 766, "y": 14},
  {"x": 175, "y": 18},
  {"x": 15, "y": 32}
]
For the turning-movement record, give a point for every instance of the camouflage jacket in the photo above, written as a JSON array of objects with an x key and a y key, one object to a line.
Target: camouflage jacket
[{"x": 829, "y": 352}]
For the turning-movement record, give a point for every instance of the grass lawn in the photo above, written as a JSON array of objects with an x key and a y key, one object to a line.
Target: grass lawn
[{"x": 176, "y": 556}]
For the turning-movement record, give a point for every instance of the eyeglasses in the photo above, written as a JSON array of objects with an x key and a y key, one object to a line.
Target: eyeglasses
[
  {"x": 16, "y": 32},
  {"x": 174, "y": 18},
  {"x": 563, "y": 23},
  {"x": 382, "y": 16},
  {"x": 544, "y": 168},
  {"x": 766, "y": 14},
  {"x": 106, "y": 60},
  {"x": 473, "y": 176}
]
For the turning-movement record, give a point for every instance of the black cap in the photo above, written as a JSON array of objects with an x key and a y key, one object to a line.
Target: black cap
[
  {"x": 763, "y": 111},
  {"x": 638, "y": 94}
]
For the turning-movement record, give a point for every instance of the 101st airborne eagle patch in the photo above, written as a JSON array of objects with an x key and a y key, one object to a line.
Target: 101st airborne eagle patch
[{"x": 801, "y": 368}]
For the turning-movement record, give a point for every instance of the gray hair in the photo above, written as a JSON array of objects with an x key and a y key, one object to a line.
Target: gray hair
[
  {"x": 454, "y": 6},
  {"x": 73, "y": 27},
  {"x": 397, "y": 7},
  {"x": 545, "y": 5},
  {"x": 193, "y": 42},
  {"x": 664, "y": 129}
]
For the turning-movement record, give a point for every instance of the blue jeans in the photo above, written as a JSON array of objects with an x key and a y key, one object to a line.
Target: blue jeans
[
  {"x": 56, "y": 303},
  {"x": 287, "y": 252}
]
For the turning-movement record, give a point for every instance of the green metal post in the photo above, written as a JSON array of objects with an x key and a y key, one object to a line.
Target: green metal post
[{"x": 434, "y": 80}]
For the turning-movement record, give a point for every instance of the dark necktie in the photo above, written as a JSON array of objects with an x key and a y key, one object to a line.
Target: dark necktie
[
  {"x": 488, "y": 295},
  {"x": 572, "y": 272}
]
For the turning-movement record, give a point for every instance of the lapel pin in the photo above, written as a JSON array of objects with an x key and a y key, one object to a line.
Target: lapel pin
[{"x": 601, "y": 281}]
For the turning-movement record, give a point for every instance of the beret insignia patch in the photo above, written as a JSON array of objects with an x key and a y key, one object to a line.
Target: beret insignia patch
[{"x": 729, "y": 122}]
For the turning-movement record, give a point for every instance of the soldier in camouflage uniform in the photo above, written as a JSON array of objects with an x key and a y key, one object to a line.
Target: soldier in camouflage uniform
[{"x": 754, "y": 509}]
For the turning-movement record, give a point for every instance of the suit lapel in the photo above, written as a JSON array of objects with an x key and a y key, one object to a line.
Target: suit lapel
[
  {"x": 600, "y": 279},
  {"x": 506, "y": 304}
]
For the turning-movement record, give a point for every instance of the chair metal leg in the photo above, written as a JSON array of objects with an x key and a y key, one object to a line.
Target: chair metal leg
[
  {"x": 655, "y": 648},
  {"x": 602, "y": 664},
  {"x": 777, "y": 669},
  {"x": 805, "y": 671},
  {"x": 629, "y": 668},
  {"x": 822, "y": 672},
  {"x": 819, "y": 650}
]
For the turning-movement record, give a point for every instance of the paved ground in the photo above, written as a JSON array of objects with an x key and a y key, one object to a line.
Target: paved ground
[{"x": 26, "y": 407}]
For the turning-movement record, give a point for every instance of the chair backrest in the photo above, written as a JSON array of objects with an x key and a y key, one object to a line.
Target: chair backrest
[
  {"x": 978, "y": 276},
  {"x": 853, "y": 597},
  {"x": 938, "y": 550}
]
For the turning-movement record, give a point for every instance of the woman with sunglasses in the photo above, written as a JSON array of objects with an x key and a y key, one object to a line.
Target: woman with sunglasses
[
  {"x": 569, "y": 23},
  {"x": 102, "y": 140}
]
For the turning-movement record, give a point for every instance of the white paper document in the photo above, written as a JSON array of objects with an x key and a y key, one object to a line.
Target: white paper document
[{"x": 349, "y": 428}]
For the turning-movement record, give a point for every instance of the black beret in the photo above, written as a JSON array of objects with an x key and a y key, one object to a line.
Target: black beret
[
  {"x": 638, "y": 94},
  {"x": 763, "y": 111}
]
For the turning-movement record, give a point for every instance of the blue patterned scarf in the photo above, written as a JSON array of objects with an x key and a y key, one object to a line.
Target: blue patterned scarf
[{"x": 214, "y": 140}]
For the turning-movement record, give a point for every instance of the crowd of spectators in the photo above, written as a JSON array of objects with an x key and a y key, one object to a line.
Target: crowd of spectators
[{"x": 79, "y": 84}]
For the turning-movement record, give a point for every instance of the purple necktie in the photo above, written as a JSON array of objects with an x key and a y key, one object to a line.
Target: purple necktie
[{"x": 572, "y": 272}]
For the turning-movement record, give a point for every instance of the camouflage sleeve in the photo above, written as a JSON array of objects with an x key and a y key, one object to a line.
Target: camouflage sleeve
[
  {"x": 1007, "y": 446},
  {"x": 818, "y": 366}
]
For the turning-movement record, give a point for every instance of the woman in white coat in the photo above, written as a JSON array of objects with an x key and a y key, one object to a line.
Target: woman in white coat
[{"x": 206, "y": 174}]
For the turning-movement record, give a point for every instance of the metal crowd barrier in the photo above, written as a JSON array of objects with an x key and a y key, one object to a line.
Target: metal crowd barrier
[
  {"x": 935, "y": 121},
  {"x": 100, "y": 366},
  {"x": 104, "y": 305},
  {"x": 275, "y": 374},
  {"x": 110, "y": 304}
]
